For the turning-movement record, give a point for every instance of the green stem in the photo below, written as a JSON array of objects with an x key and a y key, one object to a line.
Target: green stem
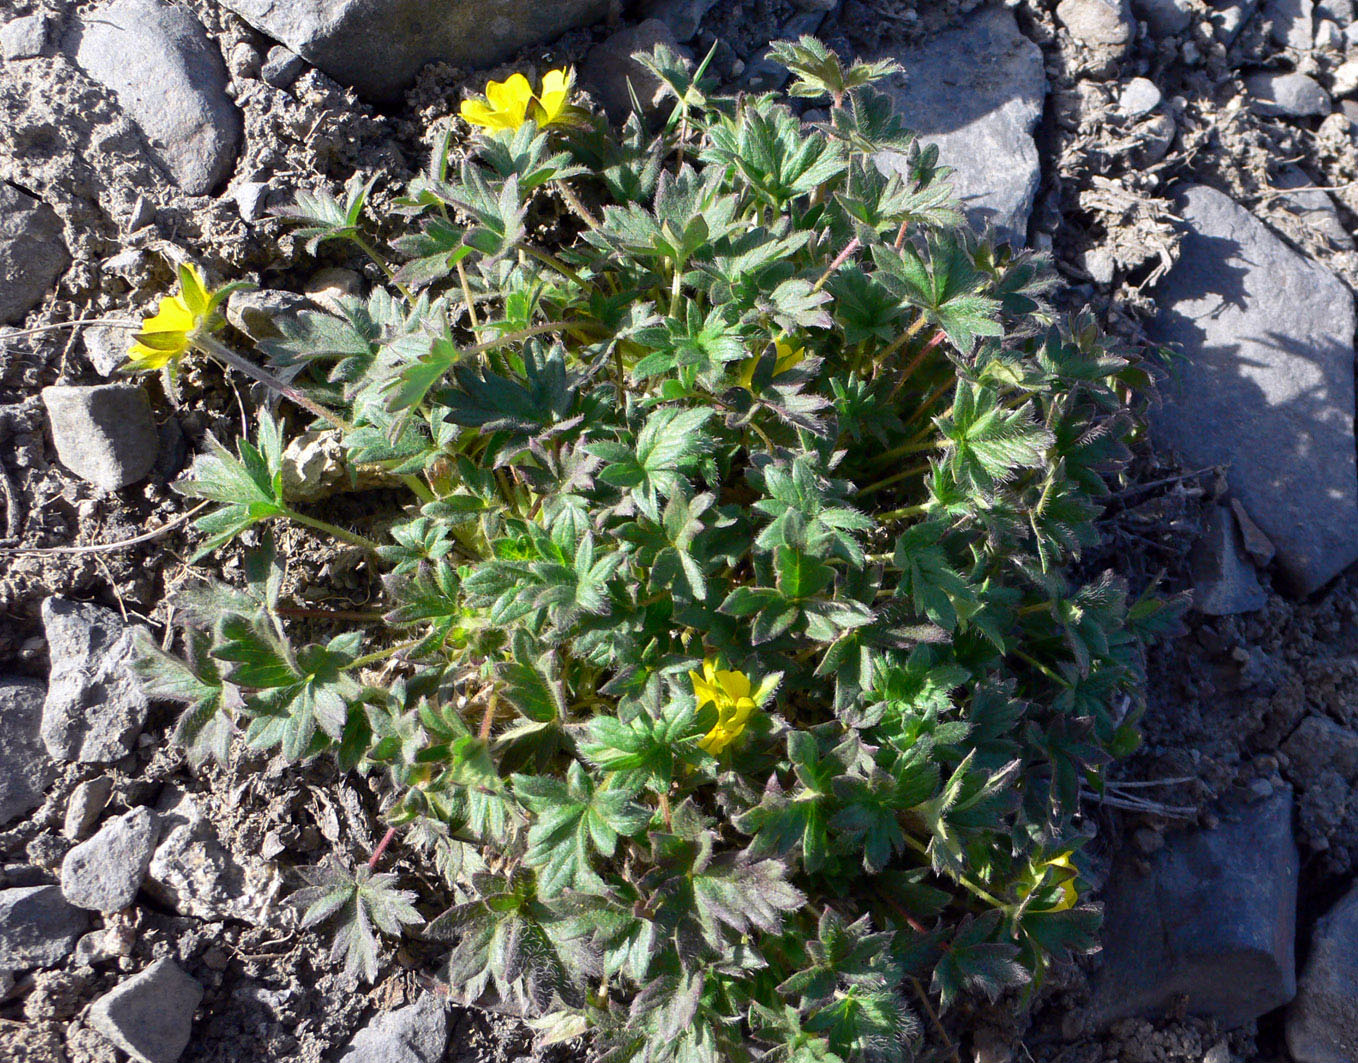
[
  {"x": 549, "y": 259},
  {"x": 914, "y": 470},
  {"x": 224, "y": 354},
  {"x": 980, "y": 892},
  {"x": 909, "y": 448},
  {"x": 904, "y": 511},
  {"x": 382, "y": 655},
  {"x": 1035, "y": 663},
  {"x": 371, "y": 252},
  {"x": 417, "y": 486},
  {"x": 332, "y": 529}
]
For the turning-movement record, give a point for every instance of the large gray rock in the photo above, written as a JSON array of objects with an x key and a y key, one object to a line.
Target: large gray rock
[
  {"x": 342, "y": 37},
  {"x": 1322, "y": 1023},
  {"x": 37, "y": 927},
  {"x": 977, "y": 92},
  {"x": 1291, "y": 94},
  {"x": 171, "y": 81},
  {"x": 417, "y": 1033},
  {"x": 104, "y": 873},
  {"x": 612, "y": 75},
  {"x": 1265, "y": 382},
  {"x": 32, "y": 253},
  {"x": 1224, "y": 583},
  {"x": 103, "y": 433},
  {"x": 95, "y": 705},
  {"x": 1212, "y": 920},
  {"x": 192, "y": 872},
  {"x": 1290, "y": 22},
  {"x": 150, "y": 1016},
  {"x": 26, "y": 771}
]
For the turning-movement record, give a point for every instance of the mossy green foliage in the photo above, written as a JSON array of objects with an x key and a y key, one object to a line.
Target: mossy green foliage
[{"x": 746, "y": 695}]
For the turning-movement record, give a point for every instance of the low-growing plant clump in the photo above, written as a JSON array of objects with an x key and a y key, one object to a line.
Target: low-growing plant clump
[{"x": 744, "y": 697}]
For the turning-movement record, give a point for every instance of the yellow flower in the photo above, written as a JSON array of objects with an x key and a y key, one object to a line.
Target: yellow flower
[
  {"x": 1065, "y": 873},
  {"x": 788, "y": 357},
  {"x": 730, "y": 693},
  {"x": 508, "y": 104},
  {"x": 166, "y": 335}
]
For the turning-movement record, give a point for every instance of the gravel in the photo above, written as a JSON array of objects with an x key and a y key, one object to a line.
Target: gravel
[
  {"x": 103, "y": 433},
  {"x": 105, "y": 873},
  {"x": 37, "y": 927},
  {"x": 150, "y": 1015},
  {"x": 26, "y": 771}
]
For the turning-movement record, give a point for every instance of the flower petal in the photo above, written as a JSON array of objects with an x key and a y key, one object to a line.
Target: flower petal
[
  {"x": 192, "y": 290},
  {"x": 510, "y": 98}
]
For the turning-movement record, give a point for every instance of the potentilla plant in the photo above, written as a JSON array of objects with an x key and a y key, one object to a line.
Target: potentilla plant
[{"x": 731, "y": 671}]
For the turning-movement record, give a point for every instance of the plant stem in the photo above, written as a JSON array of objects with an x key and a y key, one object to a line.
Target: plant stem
[
  {"x": 381, "y": 848},
  {"x": 549, "y": 259},
  {"x": 133, "y": 326},
  {"x": 573, "y": 201},
  {"x": 417, "y": 486},
  {"x": 362, "y": 616},
  {"x": 852, "y": 246},
  {"x": 381, "y": 655},
  {"x": 371, "y": 252},
  {"x": 332, "y": 529},
  {"x": 224, "y": 354},
  {"x": 904, "y": 511}
]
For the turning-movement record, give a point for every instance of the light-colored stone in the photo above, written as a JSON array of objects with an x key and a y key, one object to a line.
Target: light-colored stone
[
  {"x": 1313, "y": 208},
  {"x": 85, "y": 805},
  {"x": 326, "y": 287},
  {"x": 37, "y": 927},
  {"x": 192, "y": 872},
  {"x": 170, "y": 79},
  {"x": 258, "y": 312},
  {"x": 1098, "y": 23},
  {"x": 1140, "y": 96},
  {"x": 340, "y": 36},
  {"x": 32, "y": 253},
  {"x": 95, "y": 705},
  {"x": 976, "y": 91},
  {"x": 1294, "y": 95},
  {"x": 104, "y": 873},
  {"x": 26, "y": 771},
  {"x": 106, "y": 347},
  {"x": 150, "y": 1015},
  {"x": 1265, "y": 384},
  {"x": 1322, "y": 1023},
  {"x": 24, "y": 38},
  {"x": 104, "y": 433},
  {"x": 416, "y": 1033},
  {"x": 1290, "y": 22}
]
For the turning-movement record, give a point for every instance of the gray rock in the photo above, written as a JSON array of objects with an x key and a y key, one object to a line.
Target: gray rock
[
  {"x": 977, "y": 92},
  {"x": 95, "y": 704},
  {"x": 85, "y": 805},
  {"x": 24, "y": 38},
  {"x": 1211, "y": 920},
  {"x": 1329, "y": 37},
  {"x": 1318, "y": 744},
  {"x": 282, "y": 66},
  {"x": 417, "y": 1033},
  {"x": 1322, "y": 1023},
  {"x": 1166, "y": 18},
  {"x": 1258, "y": 545},
  {"x": 37, "y": 927},
  {"x": 610, "y": 69},
  {"x": 1340, "y": 11},
  {"x": 1290, "y": 22},
  {"x": 150, "y": 1015},
  {"x": 171, "y": 81},
  {"x": 1156, "y": 134},
  {"x": 1265, "y": 385},
  {"x": 682, "y": 16},
  {"x": 256, "y": 312},
  {"x": 1295, "y": 95},
  {"x": 26, "y": 771},
  {"x": 191, "y": 871},
  {"x": 1098, "y": 23},
  {"x": 1313, "y": 207},
  {"x": 104, "y": 433},
  {"x": 1140, "y": 96},
  {"x": 338, "y": 35},
  {"x": 106, "y": 346},
  {"x": 32, "y": 253},
  {"x": 104, "y": 873},
  {"x": 252, "y": 199},
  {"x": 1224, "y": 583}
]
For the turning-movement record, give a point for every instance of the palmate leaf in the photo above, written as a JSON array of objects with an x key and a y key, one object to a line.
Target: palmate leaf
[
  {"x": 360, "y": 903},
  {"x": 943, "y": 281},
  {"x": 323, "y": 217},
  {"x": 817, "y": 71},
  {"x": 573, "y": 822},
  {"x": 249, "y": 486},
  {"x": 988, "y": 443},
  {"x": 652, "y": 467},
  {"x": 205, "y": 726}
]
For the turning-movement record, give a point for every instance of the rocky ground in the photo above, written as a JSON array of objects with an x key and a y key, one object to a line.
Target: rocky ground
[{"x": 1191, "y": 166}]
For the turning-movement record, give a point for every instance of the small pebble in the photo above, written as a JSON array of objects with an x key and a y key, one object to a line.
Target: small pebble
[
  {"x": 1140, "y": 96},
  {"x": 85, "y": 806}
]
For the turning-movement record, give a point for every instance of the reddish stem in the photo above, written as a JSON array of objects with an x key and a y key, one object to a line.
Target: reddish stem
[{"x": 381, "y": 848}]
